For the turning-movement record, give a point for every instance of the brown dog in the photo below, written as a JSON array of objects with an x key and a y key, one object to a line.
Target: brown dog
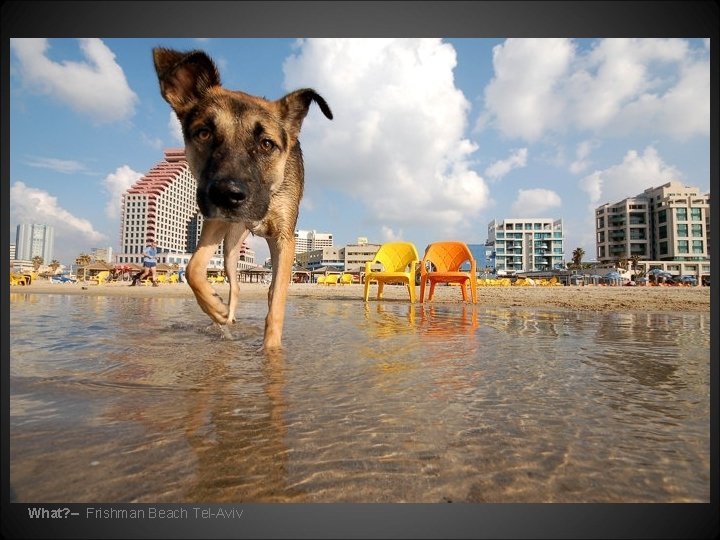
[{"x": 244, "y": 153}]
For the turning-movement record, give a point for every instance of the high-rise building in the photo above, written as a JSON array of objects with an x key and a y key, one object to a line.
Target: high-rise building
[
  {"x": 670, "y": 222},
  {"x": 311, "y": 240},
  {"x": 102, "y": 254},
  {"x": 162, "y": 206},
  {"x": 526, "y": 244},
  {"x": 34, "y": 240}
]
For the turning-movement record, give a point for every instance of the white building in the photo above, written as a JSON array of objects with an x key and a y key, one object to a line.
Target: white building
[
  {"x": 34, "y": 240},
  {"x": 667, "y": 223},
  {"x": 526, "y": 244},
  {"x": 311, "y": 240}
]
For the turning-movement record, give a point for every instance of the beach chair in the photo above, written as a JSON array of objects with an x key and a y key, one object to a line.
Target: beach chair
[
  {"x": 321, "y": 280},
  {"x": 17, "y": 279},
  {"x": 101, "y": 277},
  {"x": 398, "y": 261},
  {"x": 441, "y": 264},
  {"x": 346, "y": 279},
  {"x": 332, "y": 279}
]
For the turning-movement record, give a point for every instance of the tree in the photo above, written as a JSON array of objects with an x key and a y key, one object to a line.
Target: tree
[
  {"x": 635, "y": 265},
  {"x": 83, "y": 259},
  {"x": 577, "y": 255},
  {"x": 37, "y": 262},
  {"x": 54, "y": 264},
  {"x": 623, "y": 263}
]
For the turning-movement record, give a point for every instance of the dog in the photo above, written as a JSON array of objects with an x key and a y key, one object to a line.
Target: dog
[{"x": 244, "y": 153}]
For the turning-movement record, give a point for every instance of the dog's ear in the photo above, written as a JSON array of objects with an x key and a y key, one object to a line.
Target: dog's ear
[
  {"x": 184, "y": 76},
  {"x": 294, "y": 108}
]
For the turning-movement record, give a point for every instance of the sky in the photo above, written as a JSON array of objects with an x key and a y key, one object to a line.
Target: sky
[{"x": 431, "y": 139}]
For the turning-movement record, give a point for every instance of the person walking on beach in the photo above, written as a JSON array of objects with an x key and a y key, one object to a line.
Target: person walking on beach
[{"x": 149, "y": 264}]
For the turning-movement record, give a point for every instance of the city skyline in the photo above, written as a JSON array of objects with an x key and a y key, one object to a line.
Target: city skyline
[{"x": 432, "y": 138}]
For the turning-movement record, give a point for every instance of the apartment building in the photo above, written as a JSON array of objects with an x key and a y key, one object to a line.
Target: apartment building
[
  {"x": 666, "y": 223},
  {"x": 311, "y": 240},
  {"x": 329, "y": 256},
  {"x": 355, "y": 255},
  {"x": 525, "y": 244},
  {"x": 33, "y": 240},
  {"x": 162, "y": 206}
]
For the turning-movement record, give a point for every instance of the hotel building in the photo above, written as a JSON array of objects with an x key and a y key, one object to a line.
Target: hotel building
[
  {"x": 670, "y": 223},
  {"x": 32, "y": 240},
  {"x": 311, "y": 241},
  {"x": 526, "y": 244},
  {"x": 161, "y": 206}
]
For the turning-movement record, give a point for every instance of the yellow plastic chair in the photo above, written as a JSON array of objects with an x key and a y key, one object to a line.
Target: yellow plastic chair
[
  {"x": 399, "y": 261},
  {"x": 101, "y": 277},
  {"x": 332, "y": 279},
  {"x": 321, "y": 280},
  {"x": 17, "y": 279},
  {"x": 173, "y": 278},
  {"x": 441, "y": 264},
  {"x": 346, "y": 279}
]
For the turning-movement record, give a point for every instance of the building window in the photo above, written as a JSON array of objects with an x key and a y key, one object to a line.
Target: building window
[
  {"x": 682, "y": 230},
  {"x": 664, "y": 248},
  {"x": 662, "y": 231},
  {"x": 662, "y": 216},
  {"x": 682, "y": 246},
  {"x": 681, "y": 214},
  {"x": 601, "y": 223},
  {"x": 697, "y": 246},
  {"x": 696, "y": 214},
  {"x": 697, "y": 229}
]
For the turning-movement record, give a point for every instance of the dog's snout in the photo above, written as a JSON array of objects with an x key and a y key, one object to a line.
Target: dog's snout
[{"x": 227, "y": 193}]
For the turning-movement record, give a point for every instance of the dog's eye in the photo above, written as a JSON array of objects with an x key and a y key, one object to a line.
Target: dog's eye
[
  {"x": 266, "y": 145},
  {"x": 203, "y": 134}
]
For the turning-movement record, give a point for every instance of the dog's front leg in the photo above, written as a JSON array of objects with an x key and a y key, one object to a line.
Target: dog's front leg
[
  {"x": 282, "y": 253},
  {"x": 234, "y": 238},
  {"x": 212, "y": 233}
]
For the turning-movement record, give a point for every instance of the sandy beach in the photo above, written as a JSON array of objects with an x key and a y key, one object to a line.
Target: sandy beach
[{"x": 582, "y": 298}]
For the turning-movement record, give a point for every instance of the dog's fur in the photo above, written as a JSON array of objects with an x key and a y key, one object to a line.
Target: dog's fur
[{"x": 244, "y": 153}]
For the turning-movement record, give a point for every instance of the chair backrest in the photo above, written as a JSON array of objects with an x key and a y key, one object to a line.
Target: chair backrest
[
  {"x": 446, "y": 256},
  {"x": 332, "y": 279},
  {"x": 102, "y": 276},
  {"x": 396, "y": 256},
  {"x": 346, "y": 279}
]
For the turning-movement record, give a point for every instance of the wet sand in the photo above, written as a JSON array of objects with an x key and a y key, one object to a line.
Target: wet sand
[{"x": 581, "y": 298}]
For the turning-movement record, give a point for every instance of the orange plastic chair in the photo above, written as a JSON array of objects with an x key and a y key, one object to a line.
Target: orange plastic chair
[
  {"x": 399, "y": 261},
  {"x": 441, "y": 264}
]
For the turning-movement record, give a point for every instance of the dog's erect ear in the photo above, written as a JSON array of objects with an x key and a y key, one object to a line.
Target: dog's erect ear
[
  {"x": 184, "y": 76},
  {"x": 294, "y": 108}
]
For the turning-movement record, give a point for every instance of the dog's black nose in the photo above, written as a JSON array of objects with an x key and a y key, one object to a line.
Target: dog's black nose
[{"x": 227, "y": 193}]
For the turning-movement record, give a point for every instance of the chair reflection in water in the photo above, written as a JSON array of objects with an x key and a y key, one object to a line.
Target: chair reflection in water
[{"x": 398, "y": 261}]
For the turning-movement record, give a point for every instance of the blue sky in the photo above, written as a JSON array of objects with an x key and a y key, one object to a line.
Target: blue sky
[{"x": 432, "y": 138}]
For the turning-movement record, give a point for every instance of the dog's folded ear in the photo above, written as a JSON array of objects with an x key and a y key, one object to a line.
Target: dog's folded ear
[
  {"x": 184, "y": 76},
  {"x": 294, "y": 107}
]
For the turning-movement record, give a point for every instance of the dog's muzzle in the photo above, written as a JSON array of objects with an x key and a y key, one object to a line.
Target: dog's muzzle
[{"x": 227, "y": 194}]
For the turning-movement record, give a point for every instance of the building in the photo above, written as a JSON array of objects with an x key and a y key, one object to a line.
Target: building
[
  {"x": 33, "y": 240},
  {"x": 162, "y": 206},
  {"x": 329, "y": 257},
  {"x": 12, "y": 252},
  {"x": 311, "y": 240},
  {"x": 102, "y": 254},
  {"x": 667, "y": 223},
  {"x": 525, "y": 244},
  {"x": 355, "y": 255}
]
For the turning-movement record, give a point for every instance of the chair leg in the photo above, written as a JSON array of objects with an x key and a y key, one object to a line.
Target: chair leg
[{"x": 367, "y": 289}]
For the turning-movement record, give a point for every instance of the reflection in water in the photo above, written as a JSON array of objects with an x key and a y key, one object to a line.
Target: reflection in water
[{"x": 138, "y": 399}]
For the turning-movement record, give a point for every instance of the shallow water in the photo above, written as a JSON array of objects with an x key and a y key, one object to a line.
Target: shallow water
[{"x": 118, "y": 399}]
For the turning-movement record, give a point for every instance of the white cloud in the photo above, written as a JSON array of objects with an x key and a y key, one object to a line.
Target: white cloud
[
  {"x": 391, "y": 235},
  {"x": 63, "y": 166},
  {"x": 116, "y": 184},
  {"x": 72, "y": 234},
  {"x": 96, "y": 87},
  {"x": 545, "y": 86},
  {"x": 636, "y": 173},
  {"x": 534, "y": 202},
  {"x": 175, "y": 129},
  {"x": 500, "y": 168},
  {"x": 582, "y": 152},
  {"x": 396, "y": 141}
]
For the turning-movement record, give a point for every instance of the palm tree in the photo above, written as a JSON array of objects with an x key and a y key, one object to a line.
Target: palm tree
[
  {"x": 635, "y": 265},
  {"x": 54, "y": 264},
  {"x": 577, "y": 255},
  {"x": 37, "y": 262},
  {"x": 83, "y": 260}
]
